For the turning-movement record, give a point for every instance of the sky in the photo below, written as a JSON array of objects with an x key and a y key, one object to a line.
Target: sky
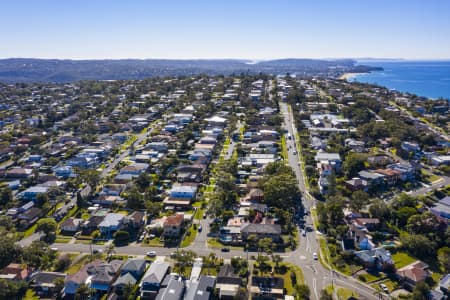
[{"x": 249, "y": 29}]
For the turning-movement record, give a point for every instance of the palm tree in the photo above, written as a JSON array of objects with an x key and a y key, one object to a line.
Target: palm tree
[
  {"x": 110, "y": 250},
  {"x": 82, "y": 292},
  {"x": 277, "y": 259}
]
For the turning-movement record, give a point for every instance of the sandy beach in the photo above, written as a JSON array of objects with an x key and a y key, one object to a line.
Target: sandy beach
[{"x": 347, "y": 76}]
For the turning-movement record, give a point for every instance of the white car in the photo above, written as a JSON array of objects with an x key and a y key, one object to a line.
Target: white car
[
  {"x": 384, "y": 288},
  {"x": 151, "y": 253},
  {"x": 315, "y": 257}
]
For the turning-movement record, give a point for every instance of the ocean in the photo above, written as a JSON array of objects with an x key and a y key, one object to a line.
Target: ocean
[{"x": 424, "y": 78}]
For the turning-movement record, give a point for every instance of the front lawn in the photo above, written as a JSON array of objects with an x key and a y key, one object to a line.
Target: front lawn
[
  {"x": 402, "y": 259},
  {"x": 345, "y": 294},
  {"x": 155, "y": 242},
  {"x": 30, "y": 231},
  {"x": 189, "y": 237},
  {"x": 62, "y": 239}
]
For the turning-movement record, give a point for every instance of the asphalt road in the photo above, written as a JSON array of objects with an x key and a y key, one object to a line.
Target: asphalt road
[{"x": 316, "y": 276}]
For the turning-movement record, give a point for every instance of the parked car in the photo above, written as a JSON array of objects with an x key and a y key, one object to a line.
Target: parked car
[
  {"x": 304, "y": 232},
  {"x": 200, "y": 228},
  {"x": 315, "y": 257},
  {"x": 384, "y": 288}
]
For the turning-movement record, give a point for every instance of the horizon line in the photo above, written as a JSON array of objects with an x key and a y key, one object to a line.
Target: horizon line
[{"x": 237, "y": 59}]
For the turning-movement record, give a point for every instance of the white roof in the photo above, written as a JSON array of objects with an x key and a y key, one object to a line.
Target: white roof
[
  {"x": 216, "y": 119},
  {"x": 111, "y": 219}
]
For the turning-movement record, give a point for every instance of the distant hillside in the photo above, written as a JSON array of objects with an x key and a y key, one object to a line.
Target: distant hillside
[{"x": 53, "y": 70}]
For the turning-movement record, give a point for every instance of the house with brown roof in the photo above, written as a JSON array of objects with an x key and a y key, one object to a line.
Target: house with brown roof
[
  {"x": 136, "y": 219},
  {"x": 391, "y": 176},
  {"x": 30, "y": 217},
  {"x": 173, "y": 225},
  {"x": 272, "y": 231},
  {"x": 15, "y": 271},
  {"x": 413, "y": 273},
  {"x": 71, "y": 225},
  {"x": 19, "y": 173},
  {"x": 254, "y": 195}
]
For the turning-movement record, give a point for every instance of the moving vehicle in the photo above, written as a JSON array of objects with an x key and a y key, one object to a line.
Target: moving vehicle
[
  {"x": 315, "y": 257},
  {"x": 151, "y": 253},
  {"x": 225, "y": 249},
  {"x": 200, "y": 228},
  {"x": 304, "y": 232}
]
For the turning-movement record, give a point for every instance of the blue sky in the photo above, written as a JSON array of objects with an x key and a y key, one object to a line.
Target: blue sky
[{"x": 255, "y": 29}]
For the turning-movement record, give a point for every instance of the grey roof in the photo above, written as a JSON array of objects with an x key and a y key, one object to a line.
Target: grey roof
[
  {"x": 46, "y": 277},
  {"x": 133, "y": 265},
  {"x": 173, "y": 291},
  {"x": 156, "y": 272},
  {"x": 111, "y": 219},
  {"x": 261, "y": 228},
  {"x": 125, "y": 279},
  {"x": 369, "y": 175},
  {"x": 327, "y": 156},
  {"x": 369, "y": 255},
  {"x": 201, "y": 289},
  {"x": 226, "y": 275}
]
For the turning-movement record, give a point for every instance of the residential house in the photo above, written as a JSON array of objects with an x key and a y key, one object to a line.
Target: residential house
[
  {"x": 410, "y": 147},
  {"x": 43, "y": 283},
  {"x": 413, "y": 273},
  {"x": 113, "y": 189},
  {"x": 104, "y": 275},
  {"x": 153, "y": 278},
  {"x": 200, "y": 289},
  {"x": 372, "y": 178},
  {"x": 173, "y": 225},
  {"x": 134, "y": 169},
  {"x": 391, "y": 177},
  {"x": 183, "y": 191},
  {"x": 136, "y": 220},
  {"x": 272, "y": 231},
  {"x": 85, "y": 162},
  {"x": 135, "y": 267},
  {"x": 267, "y": 287},
  {"x": 332, "y": 159},
  {"x": 108, "y": 200},
  {"x": 33, "y": 192},
  {"x": 441, "y": 209},
  {"x": 379, "y": 160},
  {"x": 407, "y": 172},
  {"x": 254, "y": 195},
  {"x": 122, "y": 282},
  {"x": 20, "y": 173},
  {"x": 228, "y": 283},
  {"x": 216, "y": 121},
  {"x": 30, "y": 217},
  {"x": 377, "y": 258},
  {"x": 64, "y": 171},
  {"x": 356, "y": 184},
  {"x": 444, "y": 284},
  {"x": 111, "y": 223},
  {"x": 73, "y": 282},
  {"x": 71, "y": 225},
  {"x": 174, "y": 290},
  {"x": 15, "y": 271}
]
